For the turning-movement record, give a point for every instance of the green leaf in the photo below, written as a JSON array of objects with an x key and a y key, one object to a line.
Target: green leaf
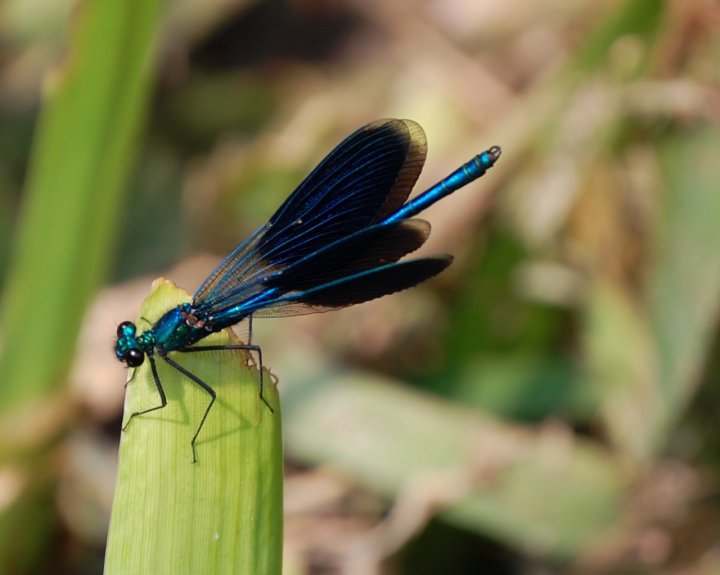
[
  {"x": 545, "y": 492},
  {"x": 95, "y": 103},
  {"x": 622, "y": 368},
  {"x": 222, "y": 514},
  {"x": 684, "y": 280}
]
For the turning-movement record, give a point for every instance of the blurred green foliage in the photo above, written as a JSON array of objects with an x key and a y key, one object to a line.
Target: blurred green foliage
[
  {"x": 557, "y": 406},
  {"x": 82, "y": 151}
]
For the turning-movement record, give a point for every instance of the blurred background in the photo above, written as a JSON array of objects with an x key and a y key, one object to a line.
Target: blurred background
[{"x": 547, "y": 405}]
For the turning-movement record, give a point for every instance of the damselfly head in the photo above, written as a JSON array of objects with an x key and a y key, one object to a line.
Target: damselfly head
[{"x": 127, "y": 348}]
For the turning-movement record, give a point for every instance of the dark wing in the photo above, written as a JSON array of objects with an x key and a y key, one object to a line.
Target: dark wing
[
  {"x": 366, "y": 177},
  {"x": 366, "y": 249},
  {"x": 370, "y": 248},
  {"x": 356, "y": 288}
]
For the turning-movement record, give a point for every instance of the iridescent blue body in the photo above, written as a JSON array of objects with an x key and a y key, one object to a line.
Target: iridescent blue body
[{"x": 336, "y": 241}]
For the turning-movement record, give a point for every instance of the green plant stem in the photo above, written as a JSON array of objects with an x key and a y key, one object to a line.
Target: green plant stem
[
  {"x": 222, "y": 514},
  {"x": 95, "y": 104}
]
